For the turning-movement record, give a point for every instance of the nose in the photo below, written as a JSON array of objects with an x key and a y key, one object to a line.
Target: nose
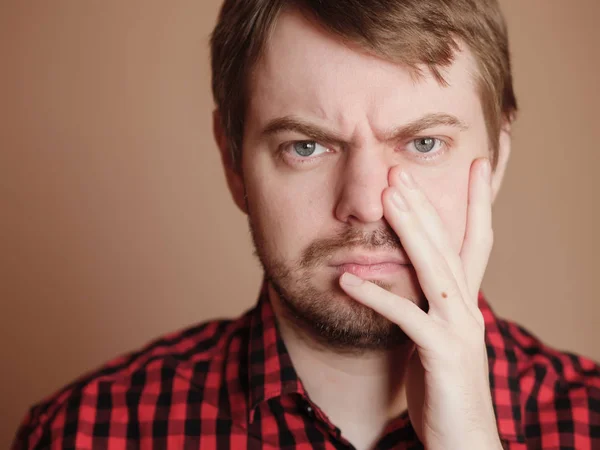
[{"x": 363, "y": 179}]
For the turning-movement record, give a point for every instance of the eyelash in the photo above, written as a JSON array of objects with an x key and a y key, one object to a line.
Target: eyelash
[
  {"x": 429, "y": 156},
  {"x": 285, "y": 151},
  {"x": 287, "y": 148}
]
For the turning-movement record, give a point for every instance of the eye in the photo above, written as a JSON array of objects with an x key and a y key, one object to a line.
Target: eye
[
  {"x": 308, "y": 148},
  {"x": 426, "y": 144}
]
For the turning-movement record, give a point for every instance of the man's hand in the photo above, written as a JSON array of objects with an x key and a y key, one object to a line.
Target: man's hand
[{"x": 447, "y": 379}]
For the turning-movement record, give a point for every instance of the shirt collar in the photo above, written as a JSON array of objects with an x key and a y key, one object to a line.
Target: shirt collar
[
  {"x": 270, "y": 370},
  {"x": 271, "y": 373}
]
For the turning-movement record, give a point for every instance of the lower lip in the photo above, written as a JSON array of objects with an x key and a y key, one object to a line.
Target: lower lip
[{"x": 371, "y": 270}]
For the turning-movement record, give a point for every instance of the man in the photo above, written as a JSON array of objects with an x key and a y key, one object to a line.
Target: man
[{"x": 366, "y": 142}]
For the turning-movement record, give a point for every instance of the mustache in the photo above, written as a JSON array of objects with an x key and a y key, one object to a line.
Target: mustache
[{"x": 317, "y": 253}]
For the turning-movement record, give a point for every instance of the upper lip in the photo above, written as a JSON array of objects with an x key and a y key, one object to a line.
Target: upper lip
[{"x": 367, "y": 259}]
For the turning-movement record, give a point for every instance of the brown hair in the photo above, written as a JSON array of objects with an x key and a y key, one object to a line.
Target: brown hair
[{"x": 409, "y": 32}]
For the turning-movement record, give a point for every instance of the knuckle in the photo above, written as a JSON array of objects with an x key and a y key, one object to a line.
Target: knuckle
[{"x": 421, "y": 200}]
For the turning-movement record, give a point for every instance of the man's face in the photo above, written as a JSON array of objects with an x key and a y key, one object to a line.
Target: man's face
[{"x": 325, "y": 124}]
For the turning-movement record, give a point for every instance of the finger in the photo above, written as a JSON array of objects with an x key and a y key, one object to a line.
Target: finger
[
  {"x": 435, "y": 277},
  {"x": 399, "y": 310},
  {"x": 431, "y": 222},
  {"x": 477, "y": 245}
]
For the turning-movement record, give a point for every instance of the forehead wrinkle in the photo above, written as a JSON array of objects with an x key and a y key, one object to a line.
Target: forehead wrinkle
[{"x": 349, "y": 122}]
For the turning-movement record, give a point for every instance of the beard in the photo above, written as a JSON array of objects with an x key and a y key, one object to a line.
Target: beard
[{"x": 326, "y": 313}]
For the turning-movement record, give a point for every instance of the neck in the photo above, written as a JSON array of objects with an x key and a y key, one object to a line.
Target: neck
[{"x": 359, "y": 391}]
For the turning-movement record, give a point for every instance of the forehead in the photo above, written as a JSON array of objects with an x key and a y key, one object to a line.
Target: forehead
[{"x": 306, "y": 71}]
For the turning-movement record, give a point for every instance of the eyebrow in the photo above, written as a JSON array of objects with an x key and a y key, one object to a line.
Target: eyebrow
[{"x": 319, "y": 134}]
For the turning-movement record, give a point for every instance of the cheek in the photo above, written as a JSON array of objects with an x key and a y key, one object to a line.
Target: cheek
[{"x": 289, "y": 215}]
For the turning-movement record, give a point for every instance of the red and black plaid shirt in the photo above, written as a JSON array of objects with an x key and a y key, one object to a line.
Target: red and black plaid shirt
[{"x": 231, "y": 385}]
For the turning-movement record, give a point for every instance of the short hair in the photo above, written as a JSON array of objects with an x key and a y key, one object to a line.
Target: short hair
[{"x": 414, "y": 33}]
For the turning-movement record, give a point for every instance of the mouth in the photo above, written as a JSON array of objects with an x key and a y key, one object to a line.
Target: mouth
[
  {"x": 371, "y": 270},
  {"x": 370, "y": 266}
]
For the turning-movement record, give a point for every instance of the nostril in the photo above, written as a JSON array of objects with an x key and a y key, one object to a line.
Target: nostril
[{"x": 365, "y": 211}]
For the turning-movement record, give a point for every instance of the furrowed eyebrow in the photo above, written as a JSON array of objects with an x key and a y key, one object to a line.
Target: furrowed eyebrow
[
  {"x": 316, "y": 133},
  {"x": 424, "y": 123},
  {"x": 291, "y": 123}
]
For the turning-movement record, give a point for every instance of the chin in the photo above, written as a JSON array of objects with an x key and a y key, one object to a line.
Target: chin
[{"x": 316, "y": 306}]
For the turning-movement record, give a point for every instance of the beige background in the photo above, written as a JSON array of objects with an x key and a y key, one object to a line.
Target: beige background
[{"x": 116, "y": 225}]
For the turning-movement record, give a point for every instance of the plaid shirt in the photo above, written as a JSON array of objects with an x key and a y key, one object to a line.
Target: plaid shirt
[{"x": 232, "y": 385}]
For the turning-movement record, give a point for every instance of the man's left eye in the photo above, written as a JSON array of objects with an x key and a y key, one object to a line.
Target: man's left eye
[
  {"x": 308, "y": 148},
  {"x": 426, "y": 144}
]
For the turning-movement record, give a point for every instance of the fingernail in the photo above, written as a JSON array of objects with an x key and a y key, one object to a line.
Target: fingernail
[
  {"x": 350, "y": 280},
  {"x": 407, "y": 179},
  {"x": 399, "y": 201},
  {"x": 485, "y": 170}
]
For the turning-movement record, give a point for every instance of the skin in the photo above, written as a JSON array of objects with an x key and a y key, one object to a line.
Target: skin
[{"x": 295, "y": 202}]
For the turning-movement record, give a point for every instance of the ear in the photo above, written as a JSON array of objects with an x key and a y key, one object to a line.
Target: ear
[
  {"x": 235, "y": 179},
  {"x": 504, "y": 146}
]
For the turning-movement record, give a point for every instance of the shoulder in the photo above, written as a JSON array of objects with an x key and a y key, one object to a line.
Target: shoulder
[
  {"x": 560, "y": 368},
  {"x": 118, "y": 385},
  {"x": 559, "y": 391}
]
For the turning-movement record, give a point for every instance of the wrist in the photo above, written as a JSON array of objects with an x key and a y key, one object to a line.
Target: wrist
[{"x": 470, "y": 441}]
